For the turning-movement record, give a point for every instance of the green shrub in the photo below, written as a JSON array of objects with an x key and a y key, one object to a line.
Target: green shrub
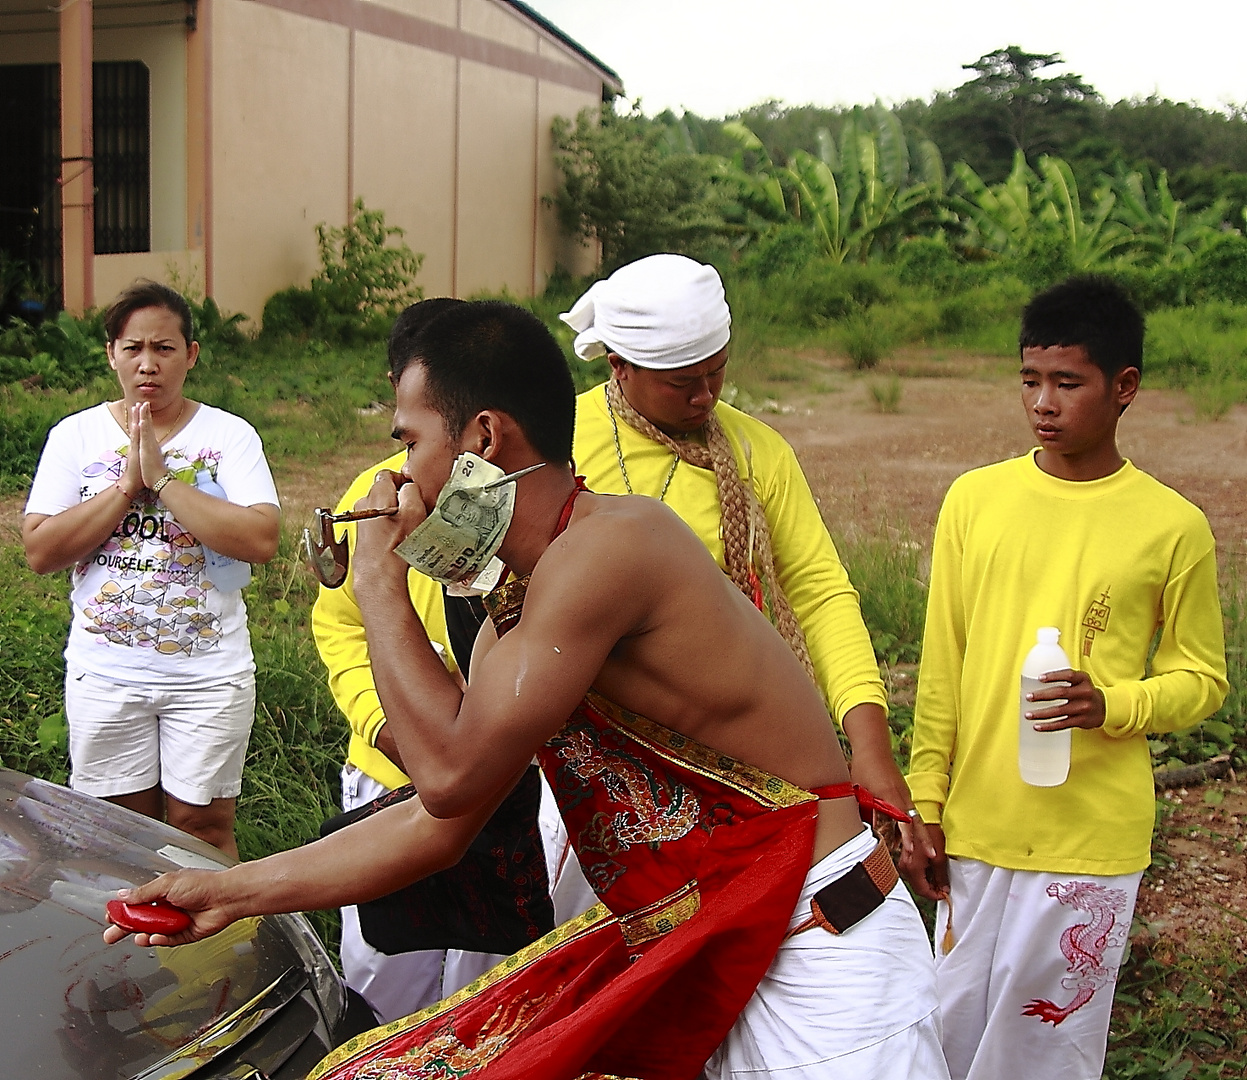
[
  {"x": 32, "y": 636},
  {"x": 26, "y": 417},
  {"x": 1219, "y": 272},
  {"x": 1154, "y": 287},
  {"x": 1186, "y": 346},
  {"x": 885, "y": 566},
  {"x": 925, "y": 262},
  {"x": 865, "y": 341},
  {"x": 786, "y": 250},
  {"x": 364, "y": 282},
  {"x": 291, "y": 313},
  {"x": 985, "y": 316},
  {"x": 886, "y": 394},
  {"x": 826, "y": 291},
  {"x": 64, "y": 353},
  {"x": 1044, "y": 260}
]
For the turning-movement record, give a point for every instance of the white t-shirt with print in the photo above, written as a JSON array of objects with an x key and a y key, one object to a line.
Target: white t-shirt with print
[{"x": 144, "y": 611}]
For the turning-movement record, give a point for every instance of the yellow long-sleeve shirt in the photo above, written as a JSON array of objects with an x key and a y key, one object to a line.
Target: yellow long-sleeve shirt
[
  {"x": 809, "y": 570},
  {"x": 1109, "y": 562},
  {"x": 338, "y": 628}
]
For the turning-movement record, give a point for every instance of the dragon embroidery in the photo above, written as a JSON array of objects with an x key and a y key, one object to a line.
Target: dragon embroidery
[
  {"x": 656, "y": 811},
  {"x": 446, "y": 1057},
  {"x": 1084, "y": 945}
]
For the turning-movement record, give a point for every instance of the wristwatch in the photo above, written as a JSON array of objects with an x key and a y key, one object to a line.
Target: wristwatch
[{"x": 159, "y": 485}]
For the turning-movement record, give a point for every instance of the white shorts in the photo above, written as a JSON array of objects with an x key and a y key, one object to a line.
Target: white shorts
[
  {"x": 124, "y": 739},
  {"x": 1026, "y": 989},
  {"x": 860, "y": 1004}
]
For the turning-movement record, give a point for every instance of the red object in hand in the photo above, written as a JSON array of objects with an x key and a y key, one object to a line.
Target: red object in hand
[{"x": 158, "y": 917}]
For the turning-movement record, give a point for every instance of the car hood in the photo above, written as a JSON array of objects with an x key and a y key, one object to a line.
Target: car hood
[{"x": 71, "y": 1006}]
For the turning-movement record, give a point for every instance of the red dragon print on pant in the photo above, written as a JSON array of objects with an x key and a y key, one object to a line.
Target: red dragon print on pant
[{"x": 1084, "y": 945}]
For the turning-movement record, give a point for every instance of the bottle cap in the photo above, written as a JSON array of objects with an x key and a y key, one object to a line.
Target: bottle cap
[{"x": 1049, "y": 635}]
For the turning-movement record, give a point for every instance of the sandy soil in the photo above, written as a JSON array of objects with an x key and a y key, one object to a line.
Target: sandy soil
[{"x": 864, "y": 465}]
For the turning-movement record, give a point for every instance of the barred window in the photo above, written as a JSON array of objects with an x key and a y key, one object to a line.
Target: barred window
[{"x": 122, "y": 157}]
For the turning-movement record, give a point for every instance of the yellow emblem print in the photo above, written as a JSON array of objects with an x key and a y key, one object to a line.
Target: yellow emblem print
[{"x": 1095, "y": 621}]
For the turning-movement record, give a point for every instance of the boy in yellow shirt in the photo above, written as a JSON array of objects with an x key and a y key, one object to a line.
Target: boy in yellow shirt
[{"x": 1037, "y": 884}]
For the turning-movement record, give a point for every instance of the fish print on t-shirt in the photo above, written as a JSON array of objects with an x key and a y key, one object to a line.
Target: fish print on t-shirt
[{"x": 155, "y": 597}]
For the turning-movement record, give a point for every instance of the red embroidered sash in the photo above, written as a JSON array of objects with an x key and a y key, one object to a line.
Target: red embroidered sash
[{"x": 698, "y": 859}]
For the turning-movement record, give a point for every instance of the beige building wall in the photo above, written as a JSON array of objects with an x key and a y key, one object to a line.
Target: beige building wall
[
  {"x": 445, "y": 12},
  {"x": 404, "y": 148},
  {"x": 279, "y": 148},
  {"x": 437, "y": 113},
  {"x": 182, "y": 269},
  {"x": 492, "y": 20},
  {"x": 554, "y": 247},
  {"x": 497, "y": 180}
]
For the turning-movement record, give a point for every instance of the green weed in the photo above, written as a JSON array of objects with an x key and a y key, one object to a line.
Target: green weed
[
  {"x": 865, "y": 341},
  {"x": 886, "y": 394},
  {"x": 885, "y": 566}
]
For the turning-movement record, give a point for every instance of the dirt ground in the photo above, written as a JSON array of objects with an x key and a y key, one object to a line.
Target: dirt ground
[{"x": 866, "y": 467}]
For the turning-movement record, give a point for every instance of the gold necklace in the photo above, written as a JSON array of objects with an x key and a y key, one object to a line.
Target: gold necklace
[
  {"x": 159, "y": 438},
  {"x": 623, "y": 469}
]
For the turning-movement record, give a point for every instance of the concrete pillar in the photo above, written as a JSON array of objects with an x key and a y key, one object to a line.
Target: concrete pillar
[
  {"x": 77, "y": 148},
  {"x": 199, "y": 140}
]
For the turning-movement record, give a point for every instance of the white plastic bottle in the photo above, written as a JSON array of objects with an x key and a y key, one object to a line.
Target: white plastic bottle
[
  {"x": 1043, "y": 756},
  {"x": 225, "y": 573}
]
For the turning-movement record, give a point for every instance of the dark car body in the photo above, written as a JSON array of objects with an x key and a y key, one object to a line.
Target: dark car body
[{"x": 259, "y": 1001}]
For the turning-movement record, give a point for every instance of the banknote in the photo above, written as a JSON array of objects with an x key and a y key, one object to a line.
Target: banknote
[{"x": 467, "y": 526}]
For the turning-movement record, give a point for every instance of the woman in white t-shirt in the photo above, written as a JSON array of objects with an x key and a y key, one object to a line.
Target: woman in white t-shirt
[{"x": 149, "y": 499}]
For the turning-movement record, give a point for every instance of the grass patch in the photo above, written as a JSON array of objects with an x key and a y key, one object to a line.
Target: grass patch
[{"x": 886, "y": 394}]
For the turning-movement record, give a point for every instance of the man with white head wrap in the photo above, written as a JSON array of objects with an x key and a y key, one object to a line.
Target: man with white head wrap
[{"x": 657, "y": 427}]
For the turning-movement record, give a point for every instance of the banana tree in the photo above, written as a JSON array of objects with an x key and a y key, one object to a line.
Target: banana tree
[
  {"x": 1166, "y": 233},
  {"x": 1092, "y": 239},
  {"x": 857, "y": 194},
  {"x": 1008, "y": 218},
  {"x": 999, "y": 218}
]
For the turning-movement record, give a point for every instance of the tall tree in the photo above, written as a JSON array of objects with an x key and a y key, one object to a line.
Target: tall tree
[{"x": 1012, "y": 104}]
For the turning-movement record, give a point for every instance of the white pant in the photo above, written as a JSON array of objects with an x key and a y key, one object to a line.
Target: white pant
[
  {"x": 125, "y": 738},
  {"x": 1027, "y": 988},
  {"x": 569, "y": 888},
  {"x": 861, "y": 1004},
  {"x": 397, "y": 985}
]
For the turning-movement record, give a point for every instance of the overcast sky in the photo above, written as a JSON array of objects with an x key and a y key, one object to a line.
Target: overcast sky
[{"x": 719, "y": 56}]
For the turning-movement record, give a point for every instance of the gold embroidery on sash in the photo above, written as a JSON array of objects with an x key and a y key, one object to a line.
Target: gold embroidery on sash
[
  {"x": 662, "y": 916},
  {"x": 589, "y": 922},
  {"x": 505, "y": 604},
  {"x": 699, "y": 758}
]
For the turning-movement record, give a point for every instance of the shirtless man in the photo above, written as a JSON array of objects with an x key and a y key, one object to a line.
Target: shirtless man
[{"x": 626, "y": 617}]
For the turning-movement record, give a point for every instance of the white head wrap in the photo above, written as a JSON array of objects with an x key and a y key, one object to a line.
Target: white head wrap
[{"x": 663, "y": 311}]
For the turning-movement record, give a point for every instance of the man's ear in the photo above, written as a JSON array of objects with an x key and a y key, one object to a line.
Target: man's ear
[
  {"x": 485, "y": 434},
  {"x": 619, "y": 366},
  {"x": 1126, "y": 385}
]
